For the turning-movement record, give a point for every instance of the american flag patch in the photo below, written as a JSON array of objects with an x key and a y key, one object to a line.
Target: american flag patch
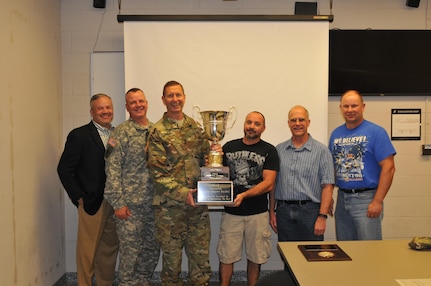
[{"x": 112, "y": 142}]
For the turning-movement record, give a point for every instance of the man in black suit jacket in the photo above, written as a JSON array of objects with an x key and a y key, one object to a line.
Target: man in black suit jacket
[{"x": 82, "y": 172}]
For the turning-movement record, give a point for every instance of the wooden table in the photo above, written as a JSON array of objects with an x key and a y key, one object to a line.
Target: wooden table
[{"x": 376, "y": 263}]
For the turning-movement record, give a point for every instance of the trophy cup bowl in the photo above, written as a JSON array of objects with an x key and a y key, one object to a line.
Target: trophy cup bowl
[{"x": 214, "y": 123}]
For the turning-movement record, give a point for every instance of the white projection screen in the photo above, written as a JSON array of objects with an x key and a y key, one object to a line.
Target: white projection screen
[{"x": 268, "y": 66}]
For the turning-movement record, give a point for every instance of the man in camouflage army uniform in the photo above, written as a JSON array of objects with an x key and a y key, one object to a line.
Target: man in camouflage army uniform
[
  {"x": 177, "y": 149},
  {"x": 130, "y": 191}
]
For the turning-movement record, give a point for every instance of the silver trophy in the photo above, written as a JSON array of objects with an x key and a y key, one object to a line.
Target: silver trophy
[
  {"x": 215, "y": 127},
  {"x": 214, "y": 188}
]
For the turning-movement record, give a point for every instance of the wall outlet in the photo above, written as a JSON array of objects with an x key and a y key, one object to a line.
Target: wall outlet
[{"x": 426, "y": 149}]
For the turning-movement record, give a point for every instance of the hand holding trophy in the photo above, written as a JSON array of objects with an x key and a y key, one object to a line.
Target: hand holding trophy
[{"x": 215, "y": 187}]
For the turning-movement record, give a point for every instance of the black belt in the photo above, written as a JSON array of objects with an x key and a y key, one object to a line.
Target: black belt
[
  {"x": 354, "y": 191},
  {"x": 303, "y": 202}
]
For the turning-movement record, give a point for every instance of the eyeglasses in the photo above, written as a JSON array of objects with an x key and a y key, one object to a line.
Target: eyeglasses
[{"x": 294, "y": 120}]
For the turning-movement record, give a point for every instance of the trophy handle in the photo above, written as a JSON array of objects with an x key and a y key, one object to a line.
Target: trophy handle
[
  {"x": 196, "y": 113},
  {"x": 233, "y": 114}
]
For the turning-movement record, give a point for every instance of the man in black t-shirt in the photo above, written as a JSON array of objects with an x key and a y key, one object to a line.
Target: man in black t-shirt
[{"x": 253, "y": 165}]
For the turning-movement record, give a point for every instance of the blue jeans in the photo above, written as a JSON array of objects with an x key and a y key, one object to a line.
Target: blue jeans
[
  {"x": 351, "y": 221},
  {"x": 296, "y": 222}
]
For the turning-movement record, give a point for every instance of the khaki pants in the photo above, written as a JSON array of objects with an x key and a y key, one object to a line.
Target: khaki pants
[{"x": 97, "y": 246}]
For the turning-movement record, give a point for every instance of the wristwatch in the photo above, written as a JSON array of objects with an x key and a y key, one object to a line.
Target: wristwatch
[{"x": 323, "y": 215}]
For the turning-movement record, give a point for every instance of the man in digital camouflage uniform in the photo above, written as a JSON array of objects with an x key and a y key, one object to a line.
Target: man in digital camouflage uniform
[
  {"x": 130, "y": 191},
  {"x": 177, "y": 149}
]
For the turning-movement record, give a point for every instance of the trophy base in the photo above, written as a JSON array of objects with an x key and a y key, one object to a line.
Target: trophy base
[
  {"x": 215, "y": 159},
  {"x": 215, "y": 173},
  {"x": 214, "y": 193}
]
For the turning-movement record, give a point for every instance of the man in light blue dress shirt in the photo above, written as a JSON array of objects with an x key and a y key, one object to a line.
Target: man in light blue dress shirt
[{"x": 302, "y": 198}]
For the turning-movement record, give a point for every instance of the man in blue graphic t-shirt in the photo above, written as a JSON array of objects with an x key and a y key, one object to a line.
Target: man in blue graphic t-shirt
[{"x": 364, "y": 168}]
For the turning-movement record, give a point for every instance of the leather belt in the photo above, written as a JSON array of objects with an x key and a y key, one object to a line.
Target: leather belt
[
  {"x": 303, "y": 202},
  {"x": 354, "y": 191}
]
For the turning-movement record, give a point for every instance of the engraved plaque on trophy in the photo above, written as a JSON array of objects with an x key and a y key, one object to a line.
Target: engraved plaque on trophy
[
  {"x": 215, "y": 192},
  {"x": 215, "y": 187}
]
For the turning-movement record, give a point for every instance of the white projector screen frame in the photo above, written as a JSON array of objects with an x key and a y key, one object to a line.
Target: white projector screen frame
[{"x": 268, "y": 66}]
